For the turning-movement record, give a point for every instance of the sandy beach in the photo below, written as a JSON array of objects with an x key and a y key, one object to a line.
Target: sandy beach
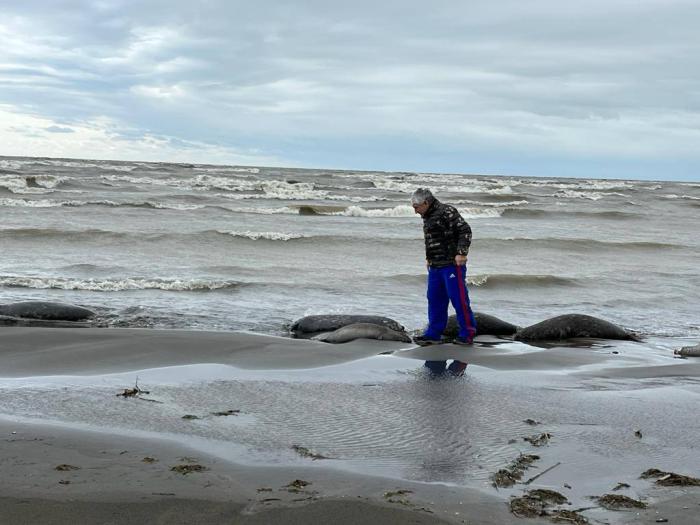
[{"x": 253, "y": 416}]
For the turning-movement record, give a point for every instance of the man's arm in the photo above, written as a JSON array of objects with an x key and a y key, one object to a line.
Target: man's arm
[{"x": 463, "y": 233}]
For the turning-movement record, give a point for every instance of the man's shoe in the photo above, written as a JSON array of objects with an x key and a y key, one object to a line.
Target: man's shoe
[
  {"x": 426, "y": 341},
  {"x": 462, "y": 341}
]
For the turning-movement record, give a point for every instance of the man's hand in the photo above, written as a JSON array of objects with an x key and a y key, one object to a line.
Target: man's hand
[{"x": 460, "y": 260}]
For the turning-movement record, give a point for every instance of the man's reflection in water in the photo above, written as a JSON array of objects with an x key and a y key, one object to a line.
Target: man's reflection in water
[{"x": 439, "y": 368}]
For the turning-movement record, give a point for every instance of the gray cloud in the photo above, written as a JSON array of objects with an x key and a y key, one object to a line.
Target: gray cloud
[
  {"x": 611, "y": 80},
  {"x": 59, "y": 129}
]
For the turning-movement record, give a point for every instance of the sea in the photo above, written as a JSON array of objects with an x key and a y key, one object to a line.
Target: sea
[{"x": 212, "y": 247}]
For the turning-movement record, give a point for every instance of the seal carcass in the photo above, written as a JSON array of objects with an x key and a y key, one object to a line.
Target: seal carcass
[
  {"x": 46, "y": 311},
  {"x": 571, "y": 326},
  {"x": 485, "y": 325},
  {"x": 313, "y": 324},
  {"x": 689, "y": 351},
  {"x": 362, "y": 331}
]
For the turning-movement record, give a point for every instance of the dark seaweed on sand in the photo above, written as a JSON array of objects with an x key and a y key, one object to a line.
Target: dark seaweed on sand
[
  {"x": 306, "y": 453},
  {"x": 670, "y": 479},
  {"x": 188, "y": 468},
  {"x": 509, "y": 476},
  {"x": 618, "y": 501}
]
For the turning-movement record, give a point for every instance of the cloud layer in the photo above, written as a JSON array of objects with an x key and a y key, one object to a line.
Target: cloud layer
[{"x": 544, "y": 88}]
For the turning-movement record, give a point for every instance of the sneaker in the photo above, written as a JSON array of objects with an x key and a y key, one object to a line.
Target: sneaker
[
  {"x": 457, "y": 368},
  {"x": 421, "y": 340},
  {"x": 462, "y": 341}
]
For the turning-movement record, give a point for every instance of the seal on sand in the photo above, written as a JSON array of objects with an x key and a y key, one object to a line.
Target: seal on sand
[
  {"x": 689, "y": 351},
  {"x": 46, "y": 311},
  {"x": 312, "y": 324},
  {"x": 485, "y": 325},
  {"x": 571, "y": 326},
  {"x": 362, "y": 331}
]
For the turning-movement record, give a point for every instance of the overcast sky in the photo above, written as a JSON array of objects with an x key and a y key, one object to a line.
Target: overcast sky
[{"x": 594, "y": 88}]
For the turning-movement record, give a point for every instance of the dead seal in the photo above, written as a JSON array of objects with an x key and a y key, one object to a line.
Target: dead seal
[
  {"x": 689, "y": 351},
  {"x": 362, "y": 331},
  {"x": 485, "y": 325},
  {"x": 571, "y": 326},
  {"x": 313, "y": 324},
  {"x": 46, "y": 311}
]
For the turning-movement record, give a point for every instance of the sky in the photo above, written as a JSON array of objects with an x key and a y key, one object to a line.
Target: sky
[{"x": 594, "y": 88}]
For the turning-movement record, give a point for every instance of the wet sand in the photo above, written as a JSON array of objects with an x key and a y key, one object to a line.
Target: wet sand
[
  {"x": 368, "y": 405},
  {"x": 113, "y": 484}
]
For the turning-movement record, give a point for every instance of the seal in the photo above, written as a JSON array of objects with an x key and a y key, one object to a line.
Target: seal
[
  {"x": 46, "y": 311},
  {"x": 571, "y": 326},
  {"x": 25, "y": 321},
  {"x": 689, "y": 351},
  {"x": 485, "y": 325},
  {"x": 310, "y": 325},
  {"x": 362, "y": 331}
]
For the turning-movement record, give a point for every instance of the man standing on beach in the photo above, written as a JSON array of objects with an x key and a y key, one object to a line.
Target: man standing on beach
[{"x": 447, "y": 240}]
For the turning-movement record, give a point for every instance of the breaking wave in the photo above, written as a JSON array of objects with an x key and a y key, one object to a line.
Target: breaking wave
[
  {"x": 49, "y": 203},
  {"x": 577, "y": 244},
  {"x": 493, "y": 281},
  {"x": 269, "y": 236},
  {"x": 359, "y": 211},
  {"x": 590, "y": 195},
  {"x": 27, "y": 184},
  {"x": 519, "y": 280},
  {"x": 117, "y": 285},
  {"x": 682, "y": 197},
  {"x": 536, "y": 212}
]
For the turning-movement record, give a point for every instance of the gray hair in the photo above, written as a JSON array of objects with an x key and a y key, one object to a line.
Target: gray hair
[{"x": 422, "y": 195}]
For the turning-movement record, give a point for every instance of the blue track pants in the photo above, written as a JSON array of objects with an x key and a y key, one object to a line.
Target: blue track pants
[{"x": 449, "y": 285}]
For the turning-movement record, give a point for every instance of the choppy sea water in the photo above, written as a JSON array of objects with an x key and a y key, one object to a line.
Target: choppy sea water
[{"x": 226, "y": 247}]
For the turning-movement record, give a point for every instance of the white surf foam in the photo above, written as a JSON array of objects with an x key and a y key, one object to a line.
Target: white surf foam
[
  {"x": 575, "y": 194},
  {"x": 114, "y": 285},
  {"x": 683, "y": 197},
  {"x": 31, "y": 183},
  {"x": 270, "y": 236}
]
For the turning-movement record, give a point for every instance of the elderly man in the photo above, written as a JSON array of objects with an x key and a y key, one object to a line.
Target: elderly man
[{"x": 447, "y": 240}]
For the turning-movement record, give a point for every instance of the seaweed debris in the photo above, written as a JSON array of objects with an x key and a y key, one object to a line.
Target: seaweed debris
[
  {"x": 618, "y": 501},
  {"x": 536, "y": 503},
  {"x": 133, "y": 392},
  {"x": 539, "y": 440},
  {"x": 188, "y": 468},
  {"x": 226, "y": 413},
  {"x": 509, "y": 476},
  {"x": 297, "y": 485},
  {"x": 306, "y": 453},
  {"x": 548, "y": 496},
  {"x": 670, "y": 479},
  {"x": 64, "y": 467},
  {"x": 567, "y": 516}
]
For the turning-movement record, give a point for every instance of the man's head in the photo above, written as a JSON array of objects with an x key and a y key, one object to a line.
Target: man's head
[{"x": 421, "y": 200}]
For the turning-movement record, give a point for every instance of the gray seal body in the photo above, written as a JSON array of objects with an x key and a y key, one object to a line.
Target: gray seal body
[
  {"x": 572, "y": 326},
  {"x": 46, "y": 311},
  {"x": 485, "y": 325},
  {"x": 689, "y": 351},
  {"x": 313, "y": 324},
  {"x": 362, "y": 331}
]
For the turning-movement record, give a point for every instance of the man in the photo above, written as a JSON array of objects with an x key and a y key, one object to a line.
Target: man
[{"x": 447, "y": 240}]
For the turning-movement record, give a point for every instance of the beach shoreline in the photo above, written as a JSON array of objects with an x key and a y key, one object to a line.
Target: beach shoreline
[
  {"x": 113, "y": 484},
  {"x": 62, "y": 409}
]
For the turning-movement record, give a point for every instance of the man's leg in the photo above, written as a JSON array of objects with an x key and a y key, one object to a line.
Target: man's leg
[
  {"x": 459, "y": 297},
  {"x": 438, "y": 301}
]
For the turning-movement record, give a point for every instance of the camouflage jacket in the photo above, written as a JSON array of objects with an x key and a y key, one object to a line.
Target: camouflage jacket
[{"x": 446, "y": 234}]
